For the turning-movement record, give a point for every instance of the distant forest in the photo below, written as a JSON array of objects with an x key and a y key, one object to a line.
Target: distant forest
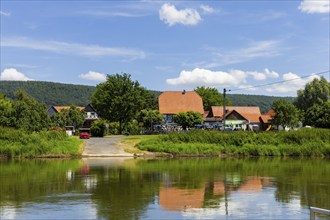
[{"x": 51, "y": 93}]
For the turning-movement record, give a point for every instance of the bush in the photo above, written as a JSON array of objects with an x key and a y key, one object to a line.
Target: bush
[
  {"x": 98, "y": 128},
  {"x": 20, "y": 143},
  {"x": 132, "y": 128},
  {"x": 113, "y": 128}
]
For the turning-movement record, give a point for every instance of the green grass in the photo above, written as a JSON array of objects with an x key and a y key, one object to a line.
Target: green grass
[
  {"x": 301, "y": 143},
  {"x": 19, "y": 143}
]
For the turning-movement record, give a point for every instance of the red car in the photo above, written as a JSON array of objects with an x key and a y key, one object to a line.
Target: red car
[{"x": 84, "y": 135}]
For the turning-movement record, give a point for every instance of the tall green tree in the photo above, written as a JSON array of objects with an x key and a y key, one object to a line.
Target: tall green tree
[
  {"x": 6, "y": 108},
  {"x": 316, "y": 92},
  {"x": 29, "y": 114},
  {"x": 312, "y": 101},
  {"x": 286, "y": 114},
  {"x": 188, "y": 119},
  {"x": 120, "y": 99},
  {"x": 211, "y": 97}
]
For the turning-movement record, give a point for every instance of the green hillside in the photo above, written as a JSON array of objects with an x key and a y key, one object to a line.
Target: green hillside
[
  {"x": 52, "y": 93},
  {"x": 264, "y": 102}
]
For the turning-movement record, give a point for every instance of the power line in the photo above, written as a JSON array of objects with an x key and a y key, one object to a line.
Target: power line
[{"x": 283, "y": 81}]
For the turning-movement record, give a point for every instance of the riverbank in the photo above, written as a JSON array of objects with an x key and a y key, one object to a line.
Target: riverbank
[
  {"x": 301, "y": 143},
  {"x": 196, "y": 143},
  {"x": 15, "y": 143}
]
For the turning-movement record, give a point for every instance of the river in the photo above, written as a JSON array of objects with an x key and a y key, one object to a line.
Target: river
[{"x": 195, "y": 188}]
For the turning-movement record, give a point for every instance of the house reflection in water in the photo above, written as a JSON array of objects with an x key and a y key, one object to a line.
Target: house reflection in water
[{"x": 177, "y": 199}]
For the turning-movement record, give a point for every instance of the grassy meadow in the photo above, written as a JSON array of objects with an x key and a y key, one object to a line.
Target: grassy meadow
[
  {"x": 300, "y": 143},
  {"x": 19, "y": 143}
]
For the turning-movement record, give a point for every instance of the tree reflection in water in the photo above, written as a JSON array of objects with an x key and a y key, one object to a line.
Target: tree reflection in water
[{"x": 127, "y": 189}]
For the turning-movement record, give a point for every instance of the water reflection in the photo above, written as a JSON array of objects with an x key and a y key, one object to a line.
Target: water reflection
[{"x": 118, "y": 188}]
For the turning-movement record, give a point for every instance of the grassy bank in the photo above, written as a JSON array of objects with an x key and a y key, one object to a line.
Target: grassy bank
[
  {"x": 301, "y": 143},
  {"x": 18, "y": 143}
]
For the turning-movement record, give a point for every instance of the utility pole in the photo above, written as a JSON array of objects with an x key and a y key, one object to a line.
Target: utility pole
[{"x": 224, "y": 109}]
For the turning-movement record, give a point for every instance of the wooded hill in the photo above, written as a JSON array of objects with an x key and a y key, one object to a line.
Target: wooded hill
[{"x": 51, "y": 93}]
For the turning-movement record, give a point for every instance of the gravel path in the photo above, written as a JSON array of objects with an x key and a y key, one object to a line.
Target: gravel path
[{"x": 104, "y": 147}]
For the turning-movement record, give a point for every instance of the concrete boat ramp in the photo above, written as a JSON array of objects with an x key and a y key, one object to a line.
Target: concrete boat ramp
[{"x": 105, "y": 147}]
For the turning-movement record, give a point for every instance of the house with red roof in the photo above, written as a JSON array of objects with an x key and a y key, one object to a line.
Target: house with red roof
[
  {"x": 266, "y": 120},
  {"x": 173, "y": 102},
  {"x": 234, "y": 115}
]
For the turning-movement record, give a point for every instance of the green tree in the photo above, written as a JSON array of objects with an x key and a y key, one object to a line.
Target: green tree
[
  {"x": 318, "y": 115},
  {"x": 149, "y": 117},
  {"x": 286, "y": 113},
  {"x": 29, "y": 114},
  {"x": 72, "y": 116},
  {"x": 6, "y": 108},
  {"x": 312, "y": 101},
  {"x": 120, "y": 99},
  {"x": 315, "y": 92},
  {"x": 188, "y": 119},
  {"x": 98, "y": 128},
  {"x": 211, "y": 97}
]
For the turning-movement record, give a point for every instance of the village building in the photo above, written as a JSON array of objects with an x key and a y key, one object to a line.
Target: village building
[
  {"x": 266, "y": 120},
  {"x": 52, "y": 110},
  {"x": 236, "y": 116},
  {"x": 173, "y": 102}
]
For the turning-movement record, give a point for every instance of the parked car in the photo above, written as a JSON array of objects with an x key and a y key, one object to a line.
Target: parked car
[{"x": 84, "y": 135}]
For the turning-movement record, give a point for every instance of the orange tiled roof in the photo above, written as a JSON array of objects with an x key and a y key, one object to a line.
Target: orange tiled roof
[
  {"x": 251, "y": 113},
  {"x": 266, "y": 118},
  {"x": 173, "y": 102},
  {"x": 60, "y": 108},
  {"x": 271, "y": 112}
]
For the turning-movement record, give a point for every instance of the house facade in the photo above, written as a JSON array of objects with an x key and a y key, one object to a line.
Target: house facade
[
  {"x": 91, "y": 116},
  {"x": 234, "y": 115},
  {"x": 173, "y": 102},
  {"x": 56, "y": 109},
  {"x": 266, "y": 120}
]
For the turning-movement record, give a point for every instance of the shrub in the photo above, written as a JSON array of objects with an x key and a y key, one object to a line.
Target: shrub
[
  {"x": 20, "y": 143},
  {"x": 98, "y": 128}
]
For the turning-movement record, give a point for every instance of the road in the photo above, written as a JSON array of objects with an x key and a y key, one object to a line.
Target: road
[{"x": 104, "y": 147}]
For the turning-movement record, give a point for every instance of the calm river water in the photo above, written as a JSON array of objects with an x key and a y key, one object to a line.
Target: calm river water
[{"x": 117, "y": 188}]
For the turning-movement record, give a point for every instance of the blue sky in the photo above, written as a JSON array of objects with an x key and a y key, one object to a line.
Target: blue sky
[{"x": 168, "y": 45}]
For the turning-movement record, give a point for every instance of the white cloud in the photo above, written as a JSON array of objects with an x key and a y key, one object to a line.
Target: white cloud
[
  {"x": 315, "y": 6},
  {"x": 13, "y": 74},
  {"x": 206, "y": 77},
  {"x": 292, "y": 84},
  {"x": 233, "y": 78},
  {"x": 3, "y": 13},
  {"x": 171, "y": 16},
  {"x": 94, "y": 76},
  {"x": 263, "y": 75},
  {"x": 207, "y": 9},
  {"x": 72, "y": 48}
]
